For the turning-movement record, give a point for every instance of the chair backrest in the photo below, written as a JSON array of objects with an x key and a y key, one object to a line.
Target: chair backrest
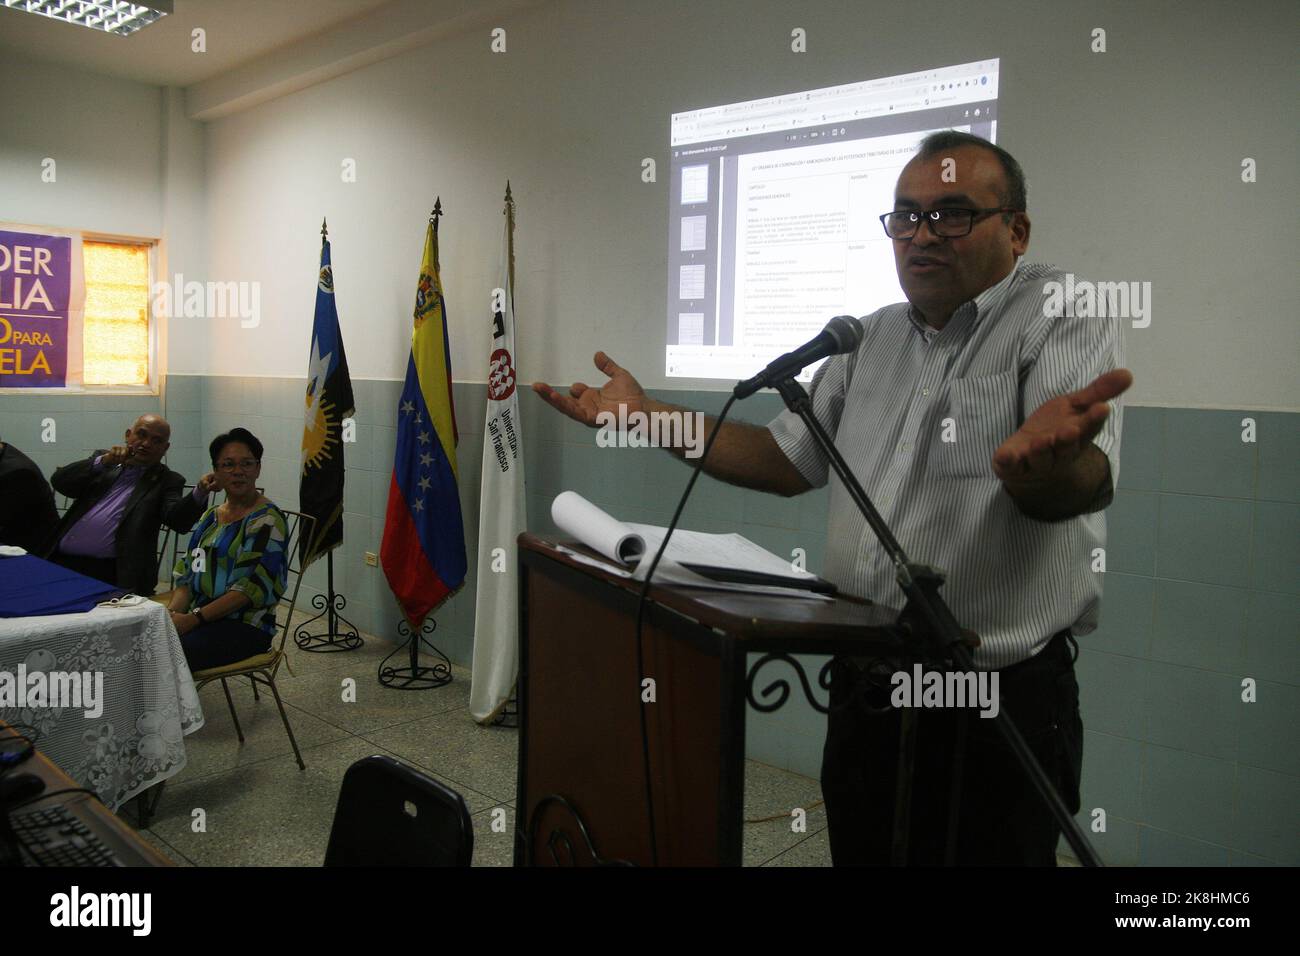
[
  {"x": 165, "y": 572},
  {"x": 390, "y": 814},
  {"x": 299, "y": 524},
  {"x": 167, "y": 558},
  {"x": 182, "y": 540}
]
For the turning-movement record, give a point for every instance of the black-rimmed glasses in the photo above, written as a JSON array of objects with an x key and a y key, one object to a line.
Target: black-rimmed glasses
[
  {"x": 245, "y": 464},
  {"x": 945, "y": 223}
]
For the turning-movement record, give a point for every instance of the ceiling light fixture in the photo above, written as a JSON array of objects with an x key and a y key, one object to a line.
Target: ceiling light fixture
[{"x": 120, "y": 17}]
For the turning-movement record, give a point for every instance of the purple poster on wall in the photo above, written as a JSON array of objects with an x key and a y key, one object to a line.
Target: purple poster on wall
[{"x": 35, "y": 288}]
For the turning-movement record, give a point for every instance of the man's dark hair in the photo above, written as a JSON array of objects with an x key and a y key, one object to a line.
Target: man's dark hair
[
  {"x": 1016, "y": 194},
  {"x": 241, "y": 435}
]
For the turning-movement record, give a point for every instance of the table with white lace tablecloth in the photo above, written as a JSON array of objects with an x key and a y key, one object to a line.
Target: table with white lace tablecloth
[{"x": 149, "y": 699}]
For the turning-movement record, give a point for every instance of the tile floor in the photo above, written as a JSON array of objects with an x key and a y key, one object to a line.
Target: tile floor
[{"x": 260, "y": 810}]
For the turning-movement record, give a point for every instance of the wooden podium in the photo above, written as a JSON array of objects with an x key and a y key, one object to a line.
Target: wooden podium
[{"x": 581, "y": 790}]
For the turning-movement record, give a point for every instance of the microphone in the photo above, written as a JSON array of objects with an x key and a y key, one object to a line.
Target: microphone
[{"x": 842, "y": 334}]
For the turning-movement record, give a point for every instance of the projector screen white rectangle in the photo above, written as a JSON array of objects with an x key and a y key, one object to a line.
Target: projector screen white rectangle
[{"x": 773, "y": 224}]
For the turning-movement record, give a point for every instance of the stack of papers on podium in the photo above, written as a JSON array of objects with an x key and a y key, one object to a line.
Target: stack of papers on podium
[{"x": 728, "y": 562}]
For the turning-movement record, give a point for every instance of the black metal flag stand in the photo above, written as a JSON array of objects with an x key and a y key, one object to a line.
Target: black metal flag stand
[
  {"x": 335, "y": 638},
  {"x": 508, "y": 716},
  {"x": 416, "y": 676}
]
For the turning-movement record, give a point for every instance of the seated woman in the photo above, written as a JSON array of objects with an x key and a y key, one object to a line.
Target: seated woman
[{"x": 231, "y": 576}]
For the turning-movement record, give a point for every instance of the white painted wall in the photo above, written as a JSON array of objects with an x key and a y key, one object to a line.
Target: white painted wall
[
  {"x": 103, "y": 135},
  {"x": 184, "y": 228}
]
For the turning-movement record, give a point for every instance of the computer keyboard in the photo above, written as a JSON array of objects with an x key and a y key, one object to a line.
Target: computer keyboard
[{"x": 51, "y": 836}]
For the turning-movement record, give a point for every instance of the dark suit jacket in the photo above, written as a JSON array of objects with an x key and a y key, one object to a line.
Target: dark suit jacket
[
  {"x": 27, "y": 512},
  {"x": 159, "y": 498}
]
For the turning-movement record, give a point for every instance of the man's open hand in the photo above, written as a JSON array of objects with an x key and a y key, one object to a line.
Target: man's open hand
[
  {"x": 584, "y": 403},
  {"x": 1047, "y": 444}
]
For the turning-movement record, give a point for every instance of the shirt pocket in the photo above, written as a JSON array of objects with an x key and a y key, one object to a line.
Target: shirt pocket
[{"x": 981, "y": 414}]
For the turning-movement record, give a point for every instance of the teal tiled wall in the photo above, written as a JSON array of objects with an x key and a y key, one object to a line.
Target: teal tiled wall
[
  {"x": 81, "y": 423},
  {"x": 1202, "y": 590},
  {"x": 1202, "y": 594}
]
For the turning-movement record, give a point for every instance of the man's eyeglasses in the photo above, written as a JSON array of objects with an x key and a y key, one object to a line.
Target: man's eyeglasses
[
  {"x": 945, "y": 223},
  {"x": 247, "y": 464}
]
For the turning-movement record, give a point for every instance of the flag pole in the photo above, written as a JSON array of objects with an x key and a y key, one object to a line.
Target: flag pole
[
  {"x": 510, "y": 223},
  {"x": 332, "y": 603},
  {"x": 434, "y": 218}
]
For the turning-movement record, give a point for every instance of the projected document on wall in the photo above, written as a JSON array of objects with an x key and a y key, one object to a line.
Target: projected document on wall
[{"x": 774, "y": 228}]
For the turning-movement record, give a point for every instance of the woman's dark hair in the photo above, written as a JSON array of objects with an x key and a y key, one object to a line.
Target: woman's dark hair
[{"x": 241, "y": 435}]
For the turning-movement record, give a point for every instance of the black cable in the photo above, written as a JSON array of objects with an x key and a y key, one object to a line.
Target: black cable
[{"x": 698, "y": 467}]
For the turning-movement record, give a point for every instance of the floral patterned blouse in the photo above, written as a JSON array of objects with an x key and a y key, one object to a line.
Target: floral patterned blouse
[{"x": 247, "y": 555}]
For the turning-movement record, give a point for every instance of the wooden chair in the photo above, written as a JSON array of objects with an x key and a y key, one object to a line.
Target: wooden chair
[{"x": 261, "y": 668}]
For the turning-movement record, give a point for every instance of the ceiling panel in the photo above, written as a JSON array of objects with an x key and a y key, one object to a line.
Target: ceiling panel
[{"x": 236, "y": 31}]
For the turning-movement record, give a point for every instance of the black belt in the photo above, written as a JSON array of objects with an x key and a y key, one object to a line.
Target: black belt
[
  {"x": 1061, "y": 644},
  {"x": 1057, "y": 647}
]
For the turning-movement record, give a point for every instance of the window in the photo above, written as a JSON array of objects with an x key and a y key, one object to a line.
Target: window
[{"x": 116, "y": 331}]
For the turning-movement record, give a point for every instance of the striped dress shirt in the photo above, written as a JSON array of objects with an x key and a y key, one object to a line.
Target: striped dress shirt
[{"x": 918, "y": 414}]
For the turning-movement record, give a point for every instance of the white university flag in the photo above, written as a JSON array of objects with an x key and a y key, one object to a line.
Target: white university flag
[{"x": 501, "y": 515}]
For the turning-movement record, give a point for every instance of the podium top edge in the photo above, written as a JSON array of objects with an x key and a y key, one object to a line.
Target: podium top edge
[{"x": 758, "y": 622}]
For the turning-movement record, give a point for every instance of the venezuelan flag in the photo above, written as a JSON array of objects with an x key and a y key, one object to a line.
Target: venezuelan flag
[{"x": 423, "y": 551}]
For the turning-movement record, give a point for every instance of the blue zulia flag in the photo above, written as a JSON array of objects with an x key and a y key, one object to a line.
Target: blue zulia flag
[{"x": 328, "y": 402}]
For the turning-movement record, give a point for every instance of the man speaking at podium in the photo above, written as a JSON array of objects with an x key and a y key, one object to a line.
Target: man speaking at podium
[{"x": 975, "y": 415}]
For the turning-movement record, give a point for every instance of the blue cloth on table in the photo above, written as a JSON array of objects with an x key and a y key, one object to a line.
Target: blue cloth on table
[{"x": 33, "y": 587}]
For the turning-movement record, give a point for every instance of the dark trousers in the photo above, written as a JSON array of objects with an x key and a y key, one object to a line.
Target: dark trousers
[
  {"x": 999, "y": 817},
  {"x": 101, "y": 569},
  {"x": 223, "y": 642}
]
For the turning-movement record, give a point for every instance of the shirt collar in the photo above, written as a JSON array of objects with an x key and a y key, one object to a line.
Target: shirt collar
[
  {"x": 987, "y": 301},
  {"x": 992, "y": 298}
]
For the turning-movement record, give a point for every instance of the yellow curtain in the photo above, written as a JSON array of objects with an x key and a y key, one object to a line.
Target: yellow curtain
[{"x": 116, "y": 330}]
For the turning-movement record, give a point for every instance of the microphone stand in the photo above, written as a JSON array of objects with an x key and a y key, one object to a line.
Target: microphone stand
[{"x": 927, "y": 617}]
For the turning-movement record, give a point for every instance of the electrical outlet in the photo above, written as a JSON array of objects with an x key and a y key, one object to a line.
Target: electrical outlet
[{"x": 371, "y": 559}]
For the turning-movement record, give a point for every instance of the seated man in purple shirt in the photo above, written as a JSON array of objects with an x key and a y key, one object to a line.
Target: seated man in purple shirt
[{"x": 122, "y": 497}]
